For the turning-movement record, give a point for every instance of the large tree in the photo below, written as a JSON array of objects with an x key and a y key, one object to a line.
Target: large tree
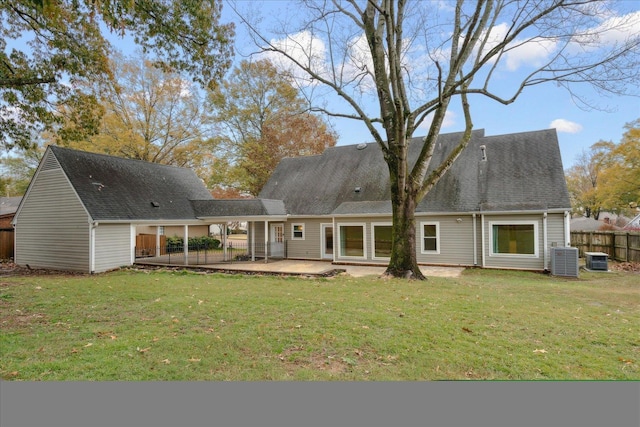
[
  {"x": 46, "y": 45},
  {"x": 148, "y": 114},
  {"x": 263, "y": 119},
  {"x": 582, "y": 179},
  {"x": 418, "y": 60},
  {"x": 619, "y": 188}
]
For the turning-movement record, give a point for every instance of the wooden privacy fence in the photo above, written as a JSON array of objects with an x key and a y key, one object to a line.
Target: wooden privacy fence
[
  {"x": 146, "y": 245},
  {"x": 620, "y": 246},
  {"x": 6, "y": 244}
]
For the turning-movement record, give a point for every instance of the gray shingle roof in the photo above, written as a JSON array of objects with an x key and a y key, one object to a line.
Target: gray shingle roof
[
  {"x": 9, "y": 205},
  {"x": 238, "y": 208},
  {"x": 522, "y": 171},
  {"x": 113, "y": 188}
]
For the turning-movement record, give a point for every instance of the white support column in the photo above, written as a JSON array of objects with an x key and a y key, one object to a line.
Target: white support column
[
  {"x": 157, "y": 240},
  {"x": 482, "y": 239},
  {"x": 544, "y": 241},
  {"x": 253, "y": 240},
  {"x": 266, "y": 240},
  {"x": 186, "y": 245},
  {"x": 224, "y": 242}
]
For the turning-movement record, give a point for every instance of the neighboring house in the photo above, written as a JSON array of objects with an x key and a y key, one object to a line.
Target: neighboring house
[
  {"x": 8, "y": 207},
  {"x": 503, "y": 204},
  {"x": 605, "y": 221},
  {"x": 82, "y": 211}
]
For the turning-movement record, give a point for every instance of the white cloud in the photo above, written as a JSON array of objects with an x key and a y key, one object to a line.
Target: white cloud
[
  {"x": 533, "y": 52},
  {"x": 613, "y": 30},
  {"x": 303, "y": 48},
  {"x": 566, "y": 126},
  {"x": 449, "y": 120}
]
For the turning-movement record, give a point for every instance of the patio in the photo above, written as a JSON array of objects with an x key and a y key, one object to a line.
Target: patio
[{"x": 299, "y": 268}]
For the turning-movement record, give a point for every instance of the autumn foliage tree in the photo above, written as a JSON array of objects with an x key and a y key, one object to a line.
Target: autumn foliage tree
[
  {"x": 619, "y": 187},
  {"x": 263, "y": 119},
  {"x": 148, "y": 114}
]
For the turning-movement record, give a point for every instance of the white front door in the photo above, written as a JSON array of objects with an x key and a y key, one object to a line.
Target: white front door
[
  {"x": 327, "y": 241},
  {"x": 276, "y": 242}
]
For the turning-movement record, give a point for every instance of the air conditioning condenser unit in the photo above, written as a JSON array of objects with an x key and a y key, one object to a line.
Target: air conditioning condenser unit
[{"x": 564, "y": 262}]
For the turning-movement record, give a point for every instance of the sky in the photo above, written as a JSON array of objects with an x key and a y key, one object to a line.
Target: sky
[{"x": 539, "y": 107}]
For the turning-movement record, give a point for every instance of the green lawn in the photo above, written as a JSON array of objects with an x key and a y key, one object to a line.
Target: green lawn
[{"x": 493, "y": 325}]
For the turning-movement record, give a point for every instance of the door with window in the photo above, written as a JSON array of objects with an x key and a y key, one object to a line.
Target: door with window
[
  {"x": 276, "y": 242},
  {"x": 327, "y": 241}
]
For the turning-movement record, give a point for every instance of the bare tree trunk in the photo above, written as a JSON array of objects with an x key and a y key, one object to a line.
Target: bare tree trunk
[{"x": 403, "y": 261}]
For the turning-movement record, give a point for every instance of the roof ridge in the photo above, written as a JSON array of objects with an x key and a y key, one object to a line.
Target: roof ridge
[{"x": 111, "y": 156}]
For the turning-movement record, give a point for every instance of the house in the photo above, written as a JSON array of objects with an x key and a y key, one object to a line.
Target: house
[
  {"x": 634, "y": 224},
  {"x": 503, "y": 204},
  {"x": 8, "y": 208},
  {"x": 82, "y": 211}
]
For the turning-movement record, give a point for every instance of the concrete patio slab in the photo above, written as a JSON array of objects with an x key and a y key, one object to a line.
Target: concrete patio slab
[{"x": 315, "y": 268}]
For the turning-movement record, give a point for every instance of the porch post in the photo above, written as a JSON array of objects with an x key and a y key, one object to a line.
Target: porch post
[
  {"x": 186, "y": 245},
  {"x": 157, "y": 240},
  {"x": 266, "y": 240},
  {"x": 224, "y": 241},
  {"x": 253, "y": 240}
]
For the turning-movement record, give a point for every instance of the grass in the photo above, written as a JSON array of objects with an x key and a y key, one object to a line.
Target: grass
[{"x": 489, "y": 325}]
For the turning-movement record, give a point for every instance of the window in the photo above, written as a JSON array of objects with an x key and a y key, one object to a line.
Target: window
[
  {"x": 514, "y": 238},
  {"x": 352, "y": 240},
  {"x": 381, "y": 236},
  {"x": 161, "y": 230},
  {"x": 430, "y": 237},
  {"x": 297, "y": 231}
]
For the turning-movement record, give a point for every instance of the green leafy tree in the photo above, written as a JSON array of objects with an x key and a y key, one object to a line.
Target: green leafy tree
[
  {"x": 415, "y": 61},
  {"x": 264, "y": 119},
  {"x": 16, "y": 171},
  {"x": 47, "y": 45}
]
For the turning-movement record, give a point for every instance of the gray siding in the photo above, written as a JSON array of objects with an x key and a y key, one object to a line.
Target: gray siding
[
  {"x": 309, "y": 248},
  {"x": 52, "y": 226},
  {"x": 555, "y": 233},
  {"x": 112, "y": 246},
  {"x": 456, "y": 240},
  {"x": 524, "y": 262}
]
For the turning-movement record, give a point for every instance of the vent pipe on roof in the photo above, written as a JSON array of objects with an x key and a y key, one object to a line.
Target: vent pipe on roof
[{"x": 155, "y": 204}]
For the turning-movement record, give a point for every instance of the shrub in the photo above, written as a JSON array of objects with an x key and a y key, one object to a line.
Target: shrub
[{"x": 176, "y": 244}]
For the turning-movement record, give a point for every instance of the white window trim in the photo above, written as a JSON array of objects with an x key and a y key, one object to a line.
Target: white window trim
[
  {"x": 536, "y": 237},
  {"x": 373, "y": 240},
  {"x": 339, "y": 236},
  {"x": 422, "y": 236},
  {"x": 293, "y": 227}
]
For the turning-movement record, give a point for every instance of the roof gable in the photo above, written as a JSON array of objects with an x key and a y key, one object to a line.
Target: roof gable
[{"x": 113, "y": 188}]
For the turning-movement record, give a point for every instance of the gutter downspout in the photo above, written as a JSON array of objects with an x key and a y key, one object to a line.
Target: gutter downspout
[
  {"x": 567, "y": 229},
  {"x": 544, "y": 241},
  {"x": 475, "y": 241},
  {"x": 92, "y": 246}
]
